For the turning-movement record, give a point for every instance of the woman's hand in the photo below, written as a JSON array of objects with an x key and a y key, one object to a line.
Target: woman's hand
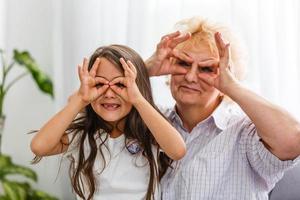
[
  {"x": 223, "y": 78},
  {"x": 160, "y": 63},
  {"x": 91, "y": 87},
  {"x": 126, "y": 86}
]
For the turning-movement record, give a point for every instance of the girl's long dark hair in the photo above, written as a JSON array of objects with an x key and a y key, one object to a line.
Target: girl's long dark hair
[{"x": 87, "y": 125}]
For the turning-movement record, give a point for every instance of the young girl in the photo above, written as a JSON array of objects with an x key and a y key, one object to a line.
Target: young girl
[{"x": 112, "y": 130}]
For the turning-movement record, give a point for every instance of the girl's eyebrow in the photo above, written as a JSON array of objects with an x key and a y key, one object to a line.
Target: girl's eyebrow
[{"x": 111, "y": 79}]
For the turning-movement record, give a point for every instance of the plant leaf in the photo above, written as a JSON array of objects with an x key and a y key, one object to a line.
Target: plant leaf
[
  {"x": 4, "y": 160},
  {"x": 40, "y": 195},
  {"x": 2, "y": 197},
  {"x": 42, "y": 80},
  {"x": 19, "y": 170},
  {"x": 15, "y": 190},
  {"x": 9, "y": 168}
]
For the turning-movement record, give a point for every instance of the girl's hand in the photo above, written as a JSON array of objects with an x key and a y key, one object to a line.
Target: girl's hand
[
  {"x": 91, "y": 87},
  {"x": 126, "y": 86},
  {"x": 160, "y": 63},
  {"x": 223, "y": 78}
]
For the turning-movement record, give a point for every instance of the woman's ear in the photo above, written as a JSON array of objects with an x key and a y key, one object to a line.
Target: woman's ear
[
  {"x": 167, "y": 81},
  {"x": 221, "y": 96}
]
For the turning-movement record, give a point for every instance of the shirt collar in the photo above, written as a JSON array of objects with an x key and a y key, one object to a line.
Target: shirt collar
[
  {"x": 221, "y": 114},
  {"x": 174, "y": 117}
]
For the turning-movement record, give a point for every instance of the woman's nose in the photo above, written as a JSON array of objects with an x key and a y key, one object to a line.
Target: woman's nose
[{"x": 192, "y": 74}]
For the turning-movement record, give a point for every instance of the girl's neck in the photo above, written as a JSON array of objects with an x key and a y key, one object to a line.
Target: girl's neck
[
  {"x": 192, "y": 115},
  {"x": 118, "y": 129},
  {"x": 115, "y": 133}
]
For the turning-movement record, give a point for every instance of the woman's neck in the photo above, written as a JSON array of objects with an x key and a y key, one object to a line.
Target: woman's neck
[{"x": 191, "y": 115}]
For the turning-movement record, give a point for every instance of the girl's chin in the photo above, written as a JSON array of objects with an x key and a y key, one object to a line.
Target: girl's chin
[{"x": 112, "y": 120}]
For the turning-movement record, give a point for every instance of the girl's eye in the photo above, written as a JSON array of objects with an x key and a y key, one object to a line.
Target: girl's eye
[
  {"x": 182, "y": 63},
  {"x": 206, "y": 69},
  {"x": 120, "y": 85}
]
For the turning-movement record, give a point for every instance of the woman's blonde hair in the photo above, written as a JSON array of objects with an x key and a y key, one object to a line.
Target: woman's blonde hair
[{"x": 202, "y": 32}]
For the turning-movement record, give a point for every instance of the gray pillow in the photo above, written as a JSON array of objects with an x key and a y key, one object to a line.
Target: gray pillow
[{"x": 288, "y": 188}]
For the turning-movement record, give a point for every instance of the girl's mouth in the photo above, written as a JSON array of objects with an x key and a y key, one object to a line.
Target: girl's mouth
[{"x": 110, "y": 106}]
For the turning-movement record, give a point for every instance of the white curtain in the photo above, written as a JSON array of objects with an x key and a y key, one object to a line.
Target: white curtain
[
  {"x": 2, "y": 23},
  {"x": 270, "y": 29},
  {"x": 60, "y": 33}
]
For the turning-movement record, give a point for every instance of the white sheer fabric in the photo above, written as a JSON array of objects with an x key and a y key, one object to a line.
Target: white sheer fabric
[{"x": 269, "y": 29}]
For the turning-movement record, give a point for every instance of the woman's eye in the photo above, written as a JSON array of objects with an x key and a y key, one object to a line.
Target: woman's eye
[
  {"x": 182, "y": 63},
  {"x": 206, "y": 69},
  {"x": 120, "y": 85}
]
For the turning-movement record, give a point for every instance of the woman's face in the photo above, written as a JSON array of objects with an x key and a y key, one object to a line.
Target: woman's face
[
  {"x": 110, "y": 106},
  {"x": 188, "y": 89}
]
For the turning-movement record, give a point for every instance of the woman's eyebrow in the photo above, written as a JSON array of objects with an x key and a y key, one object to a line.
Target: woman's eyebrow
[
  {"x": 208, "y": 63},
  {"x": 182, "y": 59},
  {"x": 209, "y": 59},
  {"x": 187, "y": 55}
]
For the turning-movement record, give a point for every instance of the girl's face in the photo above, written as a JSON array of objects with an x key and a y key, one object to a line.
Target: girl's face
[
  {"x": 189, "y": 89},
  {"x": 110, "y": 106}
]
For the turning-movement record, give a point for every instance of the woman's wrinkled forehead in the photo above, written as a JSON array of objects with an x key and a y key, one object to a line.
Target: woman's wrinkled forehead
[
  {"x": 199, "y": 52},
  {"x": 198, "y": 42}
]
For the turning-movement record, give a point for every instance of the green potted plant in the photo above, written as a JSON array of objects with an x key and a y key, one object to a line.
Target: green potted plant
[{"x": 16, "y": 190}]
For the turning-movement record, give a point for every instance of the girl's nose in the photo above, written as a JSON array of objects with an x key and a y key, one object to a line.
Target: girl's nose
[{"x": 109, "y": 93}]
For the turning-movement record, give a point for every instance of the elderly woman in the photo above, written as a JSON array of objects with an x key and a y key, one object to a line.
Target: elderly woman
[{"x": 232, "y": 153}]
